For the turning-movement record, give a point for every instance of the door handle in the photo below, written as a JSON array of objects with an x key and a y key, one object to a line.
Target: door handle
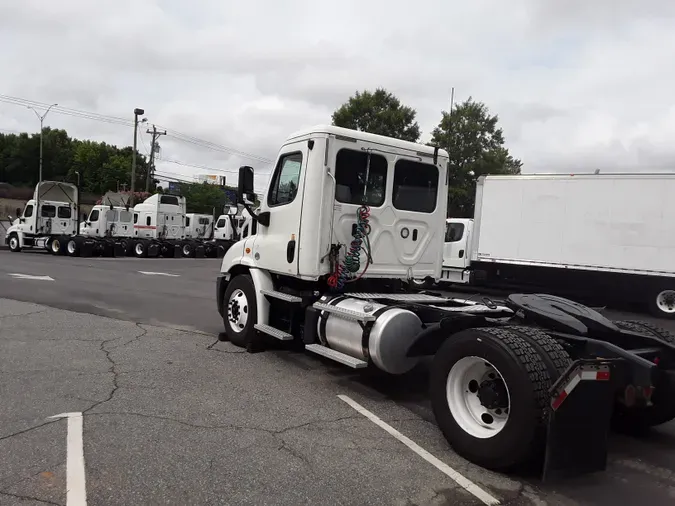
[{"x": 290, "y": 251}]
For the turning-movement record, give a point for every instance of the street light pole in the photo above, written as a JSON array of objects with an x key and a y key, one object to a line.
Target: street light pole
[
  {"x": 42, "y": 119},
  {"x": 137, "y": 112}
]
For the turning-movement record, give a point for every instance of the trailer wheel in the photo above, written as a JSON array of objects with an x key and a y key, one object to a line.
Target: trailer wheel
[
  {"x": 188, "y": 250},
  {"x": 73, "y": 248},
  {"x": 14, "y": 244},
  {"x": 663, "y": 400},
  {"x": 240, "y": 312},
  {"x": 489, "y": 389},
  {"x": 662, "y": 303},
  {"x": 141, "y": 249}
]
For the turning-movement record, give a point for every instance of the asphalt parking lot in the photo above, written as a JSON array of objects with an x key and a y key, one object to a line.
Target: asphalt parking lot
[{"x": 167, "y": 414}]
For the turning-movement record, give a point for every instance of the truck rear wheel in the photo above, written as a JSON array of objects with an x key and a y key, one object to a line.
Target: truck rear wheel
[
  {"x": 489, "y": 389},
  {"x": 188, "y": 250},
  {"x": 663, "y": 401},
  {"x": 14, "y": 244},
  {"x": 56, "y": 246},
  {"x": 73, "y": 248},
  {"x": 240, "y": 311},
  {"x": 141, "y": 249},
  {"x": 662, "y": 303}
]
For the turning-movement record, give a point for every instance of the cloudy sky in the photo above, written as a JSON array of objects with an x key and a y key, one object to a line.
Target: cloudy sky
[{"x": 577, "y": 84}]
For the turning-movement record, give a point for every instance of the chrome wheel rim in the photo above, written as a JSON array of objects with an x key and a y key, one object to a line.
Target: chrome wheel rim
[{"x": 237, "y": 310}]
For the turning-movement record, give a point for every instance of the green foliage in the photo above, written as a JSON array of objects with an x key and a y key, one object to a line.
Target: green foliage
[
  {"x": 203, "y": 197},
  {"x": 378, "y": 113},
  {"x": 101, "y": 166},
  {"x": 475, "y": 145}
]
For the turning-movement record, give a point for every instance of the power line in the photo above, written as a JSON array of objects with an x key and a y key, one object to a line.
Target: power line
[{"x": 129, "y": 123}]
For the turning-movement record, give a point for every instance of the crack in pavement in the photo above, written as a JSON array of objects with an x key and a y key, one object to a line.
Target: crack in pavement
[
  {"x": 210, "y": 347},
  {"x": 221, "y": 426},
  {"x": 113, "y": 367},
  {"x": 24, "y": 314},
  {"x": 23, "y": 431},
  {"x": 30, "y": 498}
]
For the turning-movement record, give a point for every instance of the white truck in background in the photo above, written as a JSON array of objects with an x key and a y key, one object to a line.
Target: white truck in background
[
  {"x": 347, "y": 221},
  {"x": 154, "y": 227},
  {"x": 609, "y": 237},
  {"x": 47, "y": 218}
]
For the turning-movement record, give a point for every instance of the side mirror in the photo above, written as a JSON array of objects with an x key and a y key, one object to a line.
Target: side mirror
[
  {"x": 9, "y": 217},
  {"x": 84, "y": 216},
  {"x": 18, "y": 211},
  {"x": 245, "y": 185}
]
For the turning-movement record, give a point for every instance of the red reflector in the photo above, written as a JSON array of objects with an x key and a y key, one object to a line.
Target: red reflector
[
  {"x": 602, "y": 376},
  {"x": 559, "y": 400},
  {"x": 657, "y": 360}
]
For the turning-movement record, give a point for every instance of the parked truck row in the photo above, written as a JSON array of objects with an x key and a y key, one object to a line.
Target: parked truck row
[
  {"x": 158, "y": 226},
  {"x": 603, "y": 237},
  {"x": 350, "y": 219}
]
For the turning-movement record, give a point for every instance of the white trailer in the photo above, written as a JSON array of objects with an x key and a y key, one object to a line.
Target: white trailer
[
  {"x": 347, "y": 221},
  {"x": 608, "y": 237},
  {"x": 47, "y": 219}
]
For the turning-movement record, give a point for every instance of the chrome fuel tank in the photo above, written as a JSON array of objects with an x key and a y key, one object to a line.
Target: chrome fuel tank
[{"x": 386, "y": 343}]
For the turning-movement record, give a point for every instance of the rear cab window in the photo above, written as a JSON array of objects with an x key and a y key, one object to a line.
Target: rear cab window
[
  {"x": 351, "y": 167},
  {"x": 48, "y": 211},
  {"x": 415, "y": 186},
  {"x": 64, "y": 212}
]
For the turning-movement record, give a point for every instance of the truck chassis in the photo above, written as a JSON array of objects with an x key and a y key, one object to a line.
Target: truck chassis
[{"x": 563, "y": 372}]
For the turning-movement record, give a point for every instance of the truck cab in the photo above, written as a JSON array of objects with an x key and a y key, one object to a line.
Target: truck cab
[
  {"x": 160, "y": 217},
  {"x": 457, "y": 250},
  {"x": 51, "y": 213},
  {"x": 108, "y": 221},
  {"x": 198, "y": 226}
]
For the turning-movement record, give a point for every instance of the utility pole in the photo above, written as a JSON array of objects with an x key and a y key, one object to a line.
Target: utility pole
[
  {"x": 153, "y": 148},
  {"x": 137, "y": 112},
  {"x": 42, "y": 119}
]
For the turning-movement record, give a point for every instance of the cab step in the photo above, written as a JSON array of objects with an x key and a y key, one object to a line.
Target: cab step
[
  {"x": 271, "y": 331},
  {"x": 287, "y": 297},
  {"x": 347, "y": 314},
  {"x": 324, "y": 351}
]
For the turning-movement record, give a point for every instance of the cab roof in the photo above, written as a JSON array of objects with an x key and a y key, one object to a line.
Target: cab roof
[{"x": 366, "y": 137}]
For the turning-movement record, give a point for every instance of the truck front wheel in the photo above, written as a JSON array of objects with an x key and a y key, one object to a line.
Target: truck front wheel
[
  {"x": 488, "y": 393},
  {"x": 239, "y": 311},
  {"x": 14, "y": 244}
]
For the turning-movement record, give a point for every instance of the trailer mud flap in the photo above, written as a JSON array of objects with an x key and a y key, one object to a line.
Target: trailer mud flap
[{"x": 579, "y": 416}]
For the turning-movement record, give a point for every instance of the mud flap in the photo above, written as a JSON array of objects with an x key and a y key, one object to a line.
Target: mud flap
[
  {"x": 579, "y": 415},
  {"x": 119, "y": 249},
  {"x": 199, "y": 251},
  {"x": 87, "y": 248}
]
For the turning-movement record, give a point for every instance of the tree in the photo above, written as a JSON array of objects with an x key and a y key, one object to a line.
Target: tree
[
  {"x": 378, "y": 113},
  {"x": 203, "y": 197},
  {"x": 475, "y": 145}
]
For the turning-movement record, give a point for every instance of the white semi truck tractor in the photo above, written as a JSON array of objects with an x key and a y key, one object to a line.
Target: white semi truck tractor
[
  {"x": 348, "y": 219},
  {"x": 47, "y": 220}
]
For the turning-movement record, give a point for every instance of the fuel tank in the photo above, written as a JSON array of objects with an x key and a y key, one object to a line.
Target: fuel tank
[{"x": 385, "y": 341}]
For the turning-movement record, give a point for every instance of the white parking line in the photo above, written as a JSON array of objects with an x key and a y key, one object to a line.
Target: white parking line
[
  {"x": 463, "y": 482},
  {"x": 76, "y": 486},
  {"x": 148, "y": 273},
  {"x": 30, "y": 276}
]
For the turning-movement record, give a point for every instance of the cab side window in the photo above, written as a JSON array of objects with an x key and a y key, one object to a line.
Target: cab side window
[
  {"x": 28, "y": 212},
  {"x": 284, "y": 186}
]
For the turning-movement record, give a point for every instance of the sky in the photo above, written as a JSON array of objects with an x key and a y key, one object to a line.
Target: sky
[{"x": 578, "y": 85}]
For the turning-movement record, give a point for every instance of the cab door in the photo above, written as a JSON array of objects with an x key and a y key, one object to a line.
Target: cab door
[
  {"x": 456, "y": 246},
  {"x": 275, "y": 247}
]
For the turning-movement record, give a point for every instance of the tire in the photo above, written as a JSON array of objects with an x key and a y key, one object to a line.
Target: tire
[
  {"x": 73, "y": 248},
  {"x": 240, "y": 310},
  {"x": 141, "y": 249},
  {"x": 220, "y": 251},
  {"x": 126, "y": 246},
  {"x": 636, "y": 420},
  {"x": 56, "y": 246},
  {"x": 188, "y": 250},
  {"x": 14, "y": 244},
  {"x": 421, "y": 284},
  {"x": 555, "y": 357},
  {"x": 527, "y": 381},
  {"x": 662, "y": 303}
]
